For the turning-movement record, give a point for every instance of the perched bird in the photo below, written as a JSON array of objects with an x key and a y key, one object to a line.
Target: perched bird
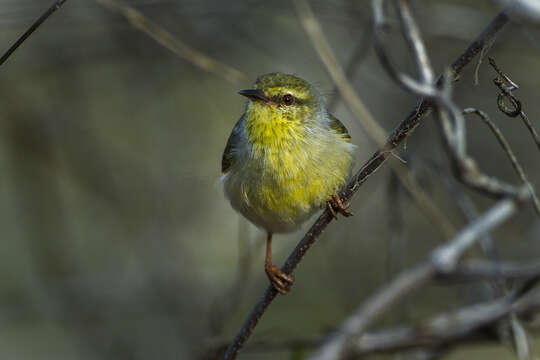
[{"x": 286, "y": 158}]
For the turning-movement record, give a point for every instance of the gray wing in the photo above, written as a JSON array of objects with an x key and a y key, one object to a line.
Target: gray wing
[
  {"x": 229, "y": 154},
  {"x": 338, "y": 127}
]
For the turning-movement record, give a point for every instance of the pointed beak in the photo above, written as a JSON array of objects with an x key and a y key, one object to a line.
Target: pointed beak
[{"x": 254, "y": 94}]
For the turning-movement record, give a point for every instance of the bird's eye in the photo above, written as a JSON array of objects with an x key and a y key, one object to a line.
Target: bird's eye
[{"x": 288, "y": 99}]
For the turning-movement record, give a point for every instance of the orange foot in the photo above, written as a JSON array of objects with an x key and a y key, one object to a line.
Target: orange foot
[
  {"x": 335, "y": 206},
  {"x": 281, "y": 281}
]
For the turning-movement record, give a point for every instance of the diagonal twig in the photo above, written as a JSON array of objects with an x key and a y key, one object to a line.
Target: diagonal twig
[
  {"x": 460, "y": 326},
  {"x": 508, "y": 150},
  {"x": 177, "y": 46},
  {"x": 55, "y": 6}
]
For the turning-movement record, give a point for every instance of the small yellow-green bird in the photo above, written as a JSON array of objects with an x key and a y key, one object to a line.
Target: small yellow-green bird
[{"x": 286, "y": 158}]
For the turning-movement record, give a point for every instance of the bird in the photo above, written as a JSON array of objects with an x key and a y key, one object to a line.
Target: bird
[{"x": 286, "y": 158}]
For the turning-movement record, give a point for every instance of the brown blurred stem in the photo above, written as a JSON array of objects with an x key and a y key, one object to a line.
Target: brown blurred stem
[
  {"x": 55, "y": 6},
  {"x": 402, "y": 131},
  {"x": 174, "y": 44},
  {"x": 360, "y": 53}
]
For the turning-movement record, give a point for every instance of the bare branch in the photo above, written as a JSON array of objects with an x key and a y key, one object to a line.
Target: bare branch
[
  {"x": 401, "y": 132},
  {"x": 483, "y": 269},
  {"x": 447, "y": 256},
  {"x": 55, "y": 6},
  {"x": 177, "y": 46},
  {"x": 461, "y": 326},
  {"x": 506, "y": 147},
  {"x": 415, "y": 42},
  {"x": 521, "y": 341},
  {"x": 470, "y": 213}
]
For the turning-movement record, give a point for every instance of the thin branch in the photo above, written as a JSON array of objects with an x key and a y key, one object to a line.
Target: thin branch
[
  {"x": 177, "y": 46},
  {"x": 55, "y": 6},
  {"x": 465, "y": 325},
  {"x": 214, "y": 346},
  {"x": 483, "y": 53},
  {"x": 470, "y": 213},
  {"x": 405, "y": 81},
  {"x": 521, "y": 341},
  {"x": 401, "y": 132},
  {"x": 531, "y": 128},
  {"x": 484, "y": 269},
  {"x": 508, "y": 150},
  {"x": 415, "y": 43},
  {"x": 446, "y": 257}
]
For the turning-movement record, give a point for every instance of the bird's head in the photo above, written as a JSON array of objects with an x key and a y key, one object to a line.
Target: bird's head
[{"x": 278, "y": 97}]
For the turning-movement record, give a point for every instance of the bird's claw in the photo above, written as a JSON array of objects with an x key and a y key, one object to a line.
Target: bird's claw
[
  {"x": 282, "y": 282},
  {"x": 335, "y": 206}
]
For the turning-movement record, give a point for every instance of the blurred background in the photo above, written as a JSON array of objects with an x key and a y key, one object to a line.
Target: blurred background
[{"x": 117, "y": 241}]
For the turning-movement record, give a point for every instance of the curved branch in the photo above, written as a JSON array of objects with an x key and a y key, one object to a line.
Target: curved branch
[{"x": 508, "y": 150}]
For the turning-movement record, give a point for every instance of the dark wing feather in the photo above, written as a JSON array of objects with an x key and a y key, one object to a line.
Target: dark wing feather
[
  {"x": 338, "y": 127},
  {"x": 229, "y": 153}
]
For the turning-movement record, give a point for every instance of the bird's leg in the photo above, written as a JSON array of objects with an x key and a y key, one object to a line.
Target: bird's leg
[
  {"x": 282, "y": 282},
  {"x": 335, "y": 205}
]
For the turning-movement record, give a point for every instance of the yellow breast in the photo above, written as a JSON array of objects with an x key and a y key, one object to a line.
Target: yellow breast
[{"x": 291, "y": 171}]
